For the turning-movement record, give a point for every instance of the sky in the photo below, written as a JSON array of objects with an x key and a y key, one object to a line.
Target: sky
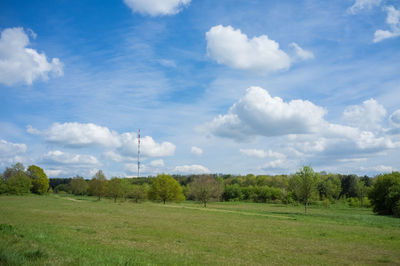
[{"x": 232, "y": 87}]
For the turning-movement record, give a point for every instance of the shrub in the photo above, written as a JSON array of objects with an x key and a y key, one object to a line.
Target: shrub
[{"x": 385, "y": 193}]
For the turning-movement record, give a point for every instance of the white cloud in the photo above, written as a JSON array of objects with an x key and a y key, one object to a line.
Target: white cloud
[
  {"x": 11, "y": 152},
  {"x": 363, "y": 4},
  {"x": 148, "y": 147},
  {"x": 378, "y": 169},
  {"x": 196, "y": 150},
  {"x": 157, "y": 163},
  {"x": 157, "y": 7},
  {"x": 122, "y": 146},
  {"x": 257, "y": 113},
  {"x": 367, "y": 116},
  {"x": 395, "y": 118},
  {"x": 393, "y": 20},
  {"x": 192, "y": 169},
  {"x": 233, "y": 48},
  {"x": 63, "y": 158},
  {"x": 262, "y": 153},
  {"x": 301, "y": 54},
  {"x": 19, "y": 64},
  {"x": 78, "y": 135}
]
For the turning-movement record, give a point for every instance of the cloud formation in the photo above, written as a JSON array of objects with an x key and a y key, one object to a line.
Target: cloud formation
[
  {"x": 393, "y": 20},
  {"x": 257, "y": 113},
  {"x": 231, "y": 47},
  {"x": 196, "y": 150},
  {"x": 395, "y": 118},
  {"x": 363, "y": 4},
  {"x": 157, "y": 7},
  {"x": 192, "y": 169},
  {"x": 120, "y": 146},
  {"x": 300, "y": 53},
  {"x": 262, "y": 154},
  {"x": 74, "y": 160},
  {"x": 367, "y": 116},
  {"x": 20, "y": 64},
  {"x": 11, "y": 152}
]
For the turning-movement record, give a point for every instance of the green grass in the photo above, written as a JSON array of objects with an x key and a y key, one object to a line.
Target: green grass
[{"x": 67, "y": 230}]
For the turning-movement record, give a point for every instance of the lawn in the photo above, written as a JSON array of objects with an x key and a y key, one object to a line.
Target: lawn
[{"x": 68, "y": 230}]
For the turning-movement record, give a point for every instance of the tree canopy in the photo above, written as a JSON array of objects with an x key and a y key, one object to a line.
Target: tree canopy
[{"x": 166, "y": 188}]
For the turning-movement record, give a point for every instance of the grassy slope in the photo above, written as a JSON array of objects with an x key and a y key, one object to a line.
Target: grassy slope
[{"x": 66, "y": 231}]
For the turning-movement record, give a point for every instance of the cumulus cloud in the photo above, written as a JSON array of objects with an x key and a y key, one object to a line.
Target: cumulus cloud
[
  {"x": 121, "y": 146},
  {"x": 257, "y": 113},
  {"x": 157, "y": 7},
  {"x": 20, "y": 64},
  {"x": 230, "y": 46},
  {"x": 363, "y": 4},
  {"x": 78, "y": 135},
  {"x": 11, "y": 152},
  {"x": 262, "y": 153},
  {"x": 196, "y": 150},
  {"x": 300, "y": 53},
  {"x": 148, "y": 147},
  {"x": 192, "y": 169},
  {"x": 367, "y": 116},
  {"x": 393, "y": 20},
  {"x": 63, "y": 158}
]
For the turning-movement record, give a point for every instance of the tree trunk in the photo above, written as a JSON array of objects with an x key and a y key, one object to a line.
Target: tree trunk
[
  {"x": 305, "y": 207},
  {"x": 115, "y": 199},
  {"x": 164, "y": 201},
  {"x": 205, "y": 204}
]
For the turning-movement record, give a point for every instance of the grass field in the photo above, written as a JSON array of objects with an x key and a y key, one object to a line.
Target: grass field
[{"x": 67, "y": 230}]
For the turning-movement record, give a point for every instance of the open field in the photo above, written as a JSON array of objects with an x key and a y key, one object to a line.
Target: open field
[{"x": 67, "y": 230}]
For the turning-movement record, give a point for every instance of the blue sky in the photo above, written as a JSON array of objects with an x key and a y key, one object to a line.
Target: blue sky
[{"x": 237, "y": 87}]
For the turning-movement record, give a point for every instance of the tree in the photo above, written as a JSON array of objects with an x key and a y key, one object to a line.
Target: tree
[
  {"x": 385, "y": 194},
  {"x": 329, "y": 187},
  {"x": 362, "y": 190},
  {"x": 97, "y": 186},
  {"x": 139, "y": 192},
  {"x": 18, "y": 183},
  {"x": 78, "y": 185},
  {"x": 10, "y": 171},
  {"x": 114, "y": 188},
  {"x": 40, "y": 182},
  {"x": 205, "y": 188},
  {"x": 166, "y": 188},
  {"x": 305, "y": 185}
]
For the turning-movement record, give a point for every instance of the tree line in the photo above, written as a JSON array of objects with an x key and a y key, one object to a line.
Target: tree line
[{"x": 304, "y": 187}]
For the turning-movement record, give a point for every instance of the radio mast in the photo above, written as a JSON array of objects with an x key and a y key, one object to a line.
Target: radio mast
[{"x": 138, "y": 155}]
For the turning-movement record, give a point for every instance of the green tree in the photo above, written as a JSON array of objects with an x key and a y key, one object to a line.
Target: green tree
[
  {"x": 18, "y": 183},
  {"x": 385, "y": 193},
  {"x": 139, "y": 192},
  {"x": 205, "y": 188},
  {"x": 40, "y": 182},
  {"x": 166, "y": 188},
  {"x": 78, "y": 186},
  {"x": 114, "y": 188},
  {"x": 329, "y": 186},
  {"x": 97, "y": 185},
  {"x": 305, "y": 185},
  {"x": 362, "y": 191}
]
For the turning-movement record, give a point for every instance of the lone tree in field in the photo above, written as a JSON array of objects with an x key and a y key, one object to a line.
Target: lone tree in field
[
  {"x": 40, "y": 182},
  {"x": 305, "y": 185},
  {"x": 166, "y": 188},
  {"x": 205, "y": 188},
  {"x": 97, "y": 186}
]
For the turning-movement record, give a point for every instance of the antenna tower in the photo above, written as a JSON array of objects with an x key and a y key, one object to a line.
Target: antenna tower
[{"x": 138, "y": 155}]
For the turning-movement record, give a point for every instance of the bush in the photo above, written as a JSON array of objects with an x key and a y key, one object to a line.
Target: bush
[{"x": 353, "y": 202}]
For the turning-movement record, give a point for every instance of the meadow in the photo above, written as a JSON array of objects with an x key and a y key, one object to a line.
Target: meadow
[{"x": 72, "y": 230}]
